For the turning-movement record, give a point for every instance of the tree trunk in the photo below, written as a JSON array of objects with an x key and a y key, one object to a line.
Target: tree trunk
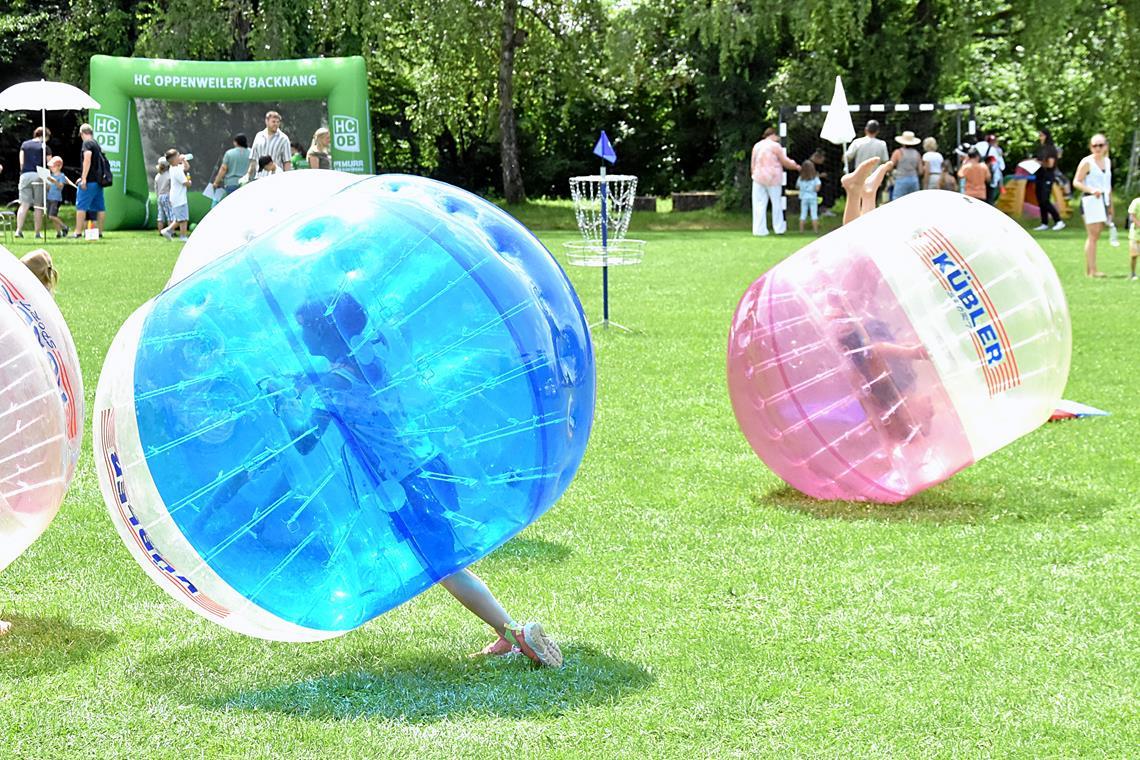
[{"x": 508, "y": 130}]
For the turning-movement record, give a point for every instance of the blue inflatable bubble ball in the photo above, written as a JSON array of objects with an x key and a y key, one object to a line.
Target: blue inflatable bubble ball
[{"x": 354, "y": 405}]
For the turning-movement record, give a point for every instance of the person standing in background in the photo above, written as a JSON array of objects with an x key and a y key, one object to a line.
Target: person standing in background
[
  {"x": 89, "y": 204},
  {"x": 993, "y": 157},
  {"x": 271, "y": 142},
  {"x": 56, "y": 182},
  {"x": 1043, "y": 181},
  {"x": 867, "y": 146},
  {"x": 1094, "y": 179},
  {"x": 179, "y": 195},
  {"x": 318, "y": 155},
  {"x": 932, "y": 162},
  {"x": 235, "y": 161},
  {"x": 908, "y": 165},
  {"x": 975, "y": 176},
  {"x": 33, "y": 153},
  {"x": 768, "y": 163}
]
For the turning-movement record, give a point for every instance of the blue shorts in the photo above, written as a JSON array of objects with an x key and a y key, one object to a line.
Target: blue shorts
[
  {"x": 180, "y": 213},
  {"x": 905, "y": 186},
  {"x": 809, "y": 205},
  {"x": 90, "y": 198}
]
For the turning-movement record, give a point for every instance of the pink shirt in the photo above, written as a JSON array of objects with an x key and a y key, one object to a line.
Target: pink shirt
[{"x": 768, "y": 158}]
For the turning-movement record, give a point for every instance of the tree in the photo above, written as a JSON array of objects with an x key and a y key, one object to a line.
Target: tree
[{"x": 512, "y": 38}]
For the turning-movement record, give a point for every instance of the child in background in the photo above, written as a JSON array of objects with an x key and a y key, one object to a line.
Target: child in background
[
  {"x": 162, "y": 193},
  {"x": 298, "y": 159},
  {"x": 1134, "y": 233},
  {"x": 265, "y": 167},
  {"x": 976, "y": 176},
  {"x": 179, "y": 199},
  {"x": 809, "y": 185},
  {"x": 55, "y": 195}
]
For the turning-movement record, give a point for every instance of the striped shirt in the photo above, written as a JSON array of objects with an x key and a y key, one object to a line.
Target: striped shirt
[{"x": 276, "y": 146}]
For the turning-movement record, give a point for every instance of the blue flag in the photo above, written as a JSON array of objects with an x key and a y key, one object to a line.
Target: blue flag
[{"x": 604, "y": 150}]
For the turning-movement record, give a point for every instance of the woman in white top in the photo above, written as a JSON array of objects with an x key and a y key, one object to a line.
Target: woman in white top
[
  {"x": 1094, "y": 179},
  {"x": 931, "y": 163}
]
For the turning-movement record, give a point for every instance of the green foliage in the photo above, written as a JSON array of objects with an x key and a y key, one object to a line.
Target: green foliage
[
  {"x": 89, "y": 27},
  {"x": 683, "y": 88}
]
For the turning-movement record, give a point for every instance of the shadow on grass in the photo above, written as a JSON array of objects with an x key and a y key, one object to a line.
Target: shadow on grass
[
  {"x": 46, "y": 645},
  {"x": 951, "y": 503},
  {"x": 414, "y": 689},
  {"x": 526, "y": 551}
]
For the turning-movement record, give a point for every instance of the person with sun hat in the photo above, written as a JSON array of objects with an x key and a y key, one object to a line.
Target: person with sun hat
[{"x": 908, "y": 165}]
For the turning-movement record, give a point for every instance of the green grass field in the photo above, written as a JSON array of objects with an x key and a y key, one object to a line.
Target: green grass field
[{"x": 705, "y": 608}]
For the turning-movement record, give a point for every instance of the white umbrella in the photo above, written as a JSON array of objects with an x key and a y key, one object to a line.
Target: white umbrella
[
  {"x": 837, "y": 127},
  {"x": 44, "y": 96}
]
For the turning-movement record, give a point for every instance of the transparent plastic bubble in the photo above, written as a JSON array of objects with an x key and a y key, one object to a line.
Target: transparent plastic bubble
[
  {"x": 41, "y": 408},
  {"x": 21, "y": 292},
  {"x": 899, "y": 349},
  {"x": 356, "y": 404},
  {"x": 255, "y": 208}
]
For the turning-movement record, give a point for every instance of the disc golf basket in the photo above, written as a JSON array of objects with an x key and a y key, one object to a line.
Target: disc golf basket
[{"x": 603, "y": 205}]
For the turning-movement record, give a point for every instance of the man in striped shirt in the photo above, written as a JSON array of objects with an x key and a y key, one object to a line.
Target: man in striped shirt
[{"x": 271, "y": 142}]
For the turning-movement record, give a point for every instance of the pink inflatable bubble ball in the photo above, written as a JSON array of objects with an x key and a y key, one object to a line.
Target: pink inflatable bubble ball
[{"x": 899, "y": 349}]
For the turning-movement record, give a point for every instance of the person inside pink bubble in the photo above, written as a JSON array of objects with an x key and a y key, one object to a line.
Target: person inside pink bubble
[{"x": 887, "y": 368}]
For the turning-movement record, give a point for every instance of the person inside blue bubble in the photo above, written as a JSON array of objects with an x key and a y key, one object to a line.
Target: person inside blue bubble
[{"x": 358, "y": 396}]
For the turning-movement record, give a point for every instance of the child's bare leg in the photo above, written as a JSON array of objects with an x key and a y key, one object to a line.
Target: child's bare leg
[
  {"x": 530, "y": 639},
  {"x": 473, "y": 594},
  {"x": 801, "y": 225},
  {"x": 871, "y": 186},
  {"x": 854, "y": 186}
]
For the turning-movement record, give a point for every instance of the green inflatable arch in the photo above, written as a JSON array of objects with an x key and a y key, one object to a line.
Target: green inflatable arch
[{"x": 116, "y": 82}]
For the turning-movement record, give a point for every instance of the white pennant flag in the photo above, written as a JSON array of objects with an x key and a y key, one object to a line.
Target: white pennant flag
[{"x": 837, "y": 127}]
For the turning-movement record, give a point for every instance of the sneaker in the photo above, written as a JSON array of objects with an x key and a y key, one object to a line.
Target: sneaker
[
  {"x": 18, "y": 234},
  {"x": 535, "y": 644},
  {"x": 1040, "y": 227},
  {"x": 1059, "y": 226},
  {"x": 38, "y": 236},
  {"x": 167, "y": 234},
  {"x": 183, "y": 238},
  {"x": 496, "y": 648},
  {"x": 1133, "y": 277},
  {"x": 66, "y": 230}
]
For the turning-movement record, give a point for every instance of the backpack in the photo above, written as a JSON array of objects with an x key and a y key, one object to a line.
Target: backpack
[{"x": 103, "y": 176}]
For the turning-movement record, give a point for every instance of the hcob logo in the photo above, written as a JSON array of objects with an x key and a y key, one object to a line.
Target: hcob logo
[
  {"x": 106, "y": 132},
  {"x": 346, "y": 133},
  {"x": 949, "y": 267}
]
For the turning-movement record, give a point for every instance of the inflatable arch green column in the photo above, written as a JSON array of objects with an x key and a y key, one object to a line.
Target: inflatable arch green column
[{"x": 115, "y": 82}]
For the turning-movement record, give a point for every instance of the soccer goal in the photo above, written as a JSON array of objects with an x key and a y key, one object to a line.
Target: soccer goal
[{"x": 799, "y": 126}]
